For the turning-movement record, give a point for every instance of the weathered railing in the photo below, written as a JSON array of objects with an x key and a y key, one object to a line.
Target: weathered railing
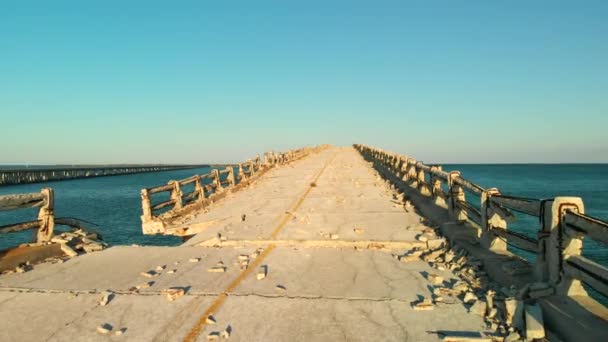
[
  {"x": 559, "y": 239},
  {"x": 44, "y": 223},
  {"x": 207, "y": 188}
]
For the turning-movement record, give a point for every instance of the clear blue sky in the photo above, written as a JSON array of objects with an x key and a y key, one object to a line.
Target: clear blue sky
[{"x": 196, "y": 81}]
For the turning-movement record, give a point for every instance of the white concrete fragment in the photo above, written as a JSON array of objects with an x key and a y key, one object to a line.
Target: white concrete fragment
[
  {"x": 262, "y": 272},
  {"x": 104, "y": 328},
  {"x": 534, "y": 322},
  {"x": 106, "y": 298}
]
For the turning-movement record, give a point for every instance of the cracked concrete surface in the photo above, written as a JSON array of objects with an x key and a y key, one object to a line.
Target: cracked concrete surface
[{"x": 334, "y": 289}]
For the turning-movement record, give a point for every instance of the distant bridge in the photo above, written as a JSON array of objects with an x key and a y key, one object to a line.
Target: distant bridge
[{"x": 64, "y": 172}]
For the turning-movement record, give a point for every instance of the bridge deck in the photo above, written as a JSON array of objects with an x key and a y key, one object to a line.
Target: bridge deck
[{"x": 317, "y": 223}]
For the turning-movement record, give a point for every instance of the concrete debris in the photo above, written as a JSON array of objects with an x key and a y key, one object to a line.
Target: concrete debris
[
  {"x": 149, "y": 274},
  {"x": 243, "y": 257},
  {"x": 210, "y": 320},
  {"x": 174, "y": 293},
  {"x": 359, "y": 230},
  {"x": 435, "y": 279},
  {"x": 213, "y": 336},
  {"x": 469, "y": 298},
  {"x": 513, "y": 337},
  {"x": 217, "y": 269},
  {"x": 120, "y": 331},
  {"x": 226, "y": 333},
  {"x": 262, "y": 272},
  {"x": 68, "y": 250},
  {"x": 478, "y": 308},
  {"x": 423, "y": 305},
  {"x": 534, "y": 322},
  {"x": 107, "y": 296},
  {"x": 334, "y": 236},
  {"x": 194, "y": 259},
  {"x": 280, "y": 288},
  {"x": 160, "y": 268},
  {"x": 144, "y": 285},
  {"x": 172, "y": 271},
  {"x": 104, "y": 328},
  {"x": 422, "y": 238}
]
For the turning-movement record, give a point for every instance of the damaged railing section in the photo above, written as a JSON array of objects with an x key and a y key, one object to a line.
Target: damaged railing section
[
  {"x": 207, "y": 187},
  {"x": 559, "y": 238},
  {"x": 44, "y": 223}
]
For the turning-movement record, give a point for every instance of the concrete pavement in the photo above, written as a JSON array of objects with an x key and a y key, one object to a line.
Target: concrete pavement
[{"x": 323, "y": 231}]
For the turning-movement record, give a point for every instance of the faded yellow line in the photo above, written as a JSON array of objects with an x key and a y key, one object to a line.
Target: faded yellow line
[{"x": 217, "y": 303}]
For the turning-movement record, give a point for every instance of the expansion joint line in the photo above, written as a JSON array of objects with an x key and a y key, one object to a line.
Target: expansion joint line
[{"x": 217, "y": 303}]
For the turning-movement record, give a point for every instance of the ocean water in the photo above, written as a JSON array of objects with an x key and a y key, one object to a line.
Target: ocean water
[
  {"x": 113, "y": 203},
  {"x": 544, "y": 181}
]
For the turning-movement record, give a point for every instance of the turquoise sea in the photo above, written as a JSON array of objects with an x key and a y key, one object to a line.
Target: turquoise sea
[{"x": 113, "y": 203}]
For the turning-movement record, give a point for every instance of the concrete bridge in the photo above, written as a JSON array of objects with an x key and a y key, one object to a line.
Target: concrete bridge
[
  {"x": 46, "y": 174},
  {"x": 324, "y": 244}
]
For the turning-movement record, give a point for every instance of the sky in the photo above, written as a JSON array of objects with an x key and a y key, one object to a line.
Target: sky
[{"x": 99, "y": 82}]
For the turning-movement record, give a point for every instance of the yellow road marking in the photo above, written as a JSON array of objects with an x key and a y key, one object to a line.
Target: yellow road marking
[{"x": 217, "y": 303}]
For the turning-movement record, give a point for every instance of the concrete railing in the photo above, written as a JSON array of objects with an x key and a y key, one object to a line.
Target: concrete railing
[
  {"x": 559, "y": 237},
  {"x": 45, "y": 221},
  {"x": 207, "y": 188}
]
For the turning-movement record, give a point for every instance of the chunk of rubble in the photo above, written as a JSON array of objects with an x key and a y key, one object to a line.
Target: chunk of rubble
[
  {"x": 262, "y": 272},
  {"x": 149, "y": 274},
  {"x": 194, "y": 259},
  {"x": 174, "y": 293},
  {"x": 68, "y": 250},
  {"x": 210, "y": 320},
  {"x": 478, "y": 308},
  {"x": 243, "y": 257},
  {"x": 104, "y": 328},
  {"x": 423, "y": 305},
  {"x": 280, "y": 288},
  {"x": 213, "y": 336},
  {"x": 469, "y": 298},
  {"x": 92, "y": 247},
  {"x": 359, "y": 230},
  {"x": 216, "y": 269},
  {"x": 334, "y": 236},
  {"x": 160, "y": 268},
  {"x": 144, "y": 285},
  {"x": 226, "y": 333},
  {"x": 171, "y": 271},
  {"x": 107, "y": 296},
  {"x": 435, "y": 279},
  {"x": 120, "y": 331},
  {"x": 534, "y": 322}
]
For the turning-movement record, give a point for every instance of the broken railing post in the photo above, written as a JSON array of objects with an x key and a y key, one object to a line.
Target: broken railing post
[
  {"x": 176, "y": 195},
  {"x": 411, "y": 172},
  {"x": 46, "y": 216},
  {"x": 230, "y": 176},
  {"x": 198, "y": 186},
  {"x": 555, "y": 245},
  {"x": 456, "y": 195},
  {"x": 217, "y": 180},
  {"x": 241, "y": 174},
  {"x": 436, "y": 190},
  {"x": 146, "y": 206},
  {"x": 423, "y": 187},
  {"x": 492, "y": 216}
]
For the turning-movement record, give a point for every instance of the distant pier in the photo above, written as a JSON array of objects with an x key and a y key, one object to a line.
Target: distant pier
[{"x": 37, "y": 175}]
